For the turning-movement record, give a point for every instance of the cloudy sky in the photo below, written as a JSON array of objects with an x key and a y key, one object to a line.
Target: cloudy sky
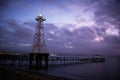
[{"x": 71, "y": 26}]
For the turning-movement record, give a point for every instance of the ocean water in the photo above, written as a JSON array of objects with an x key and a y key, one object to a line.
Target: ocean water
[{"x": 108, "y": 70}]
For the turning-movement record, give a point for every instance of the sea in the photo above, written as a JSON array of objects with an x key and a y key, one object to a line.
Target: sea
[{"x": 108, "y": 70}]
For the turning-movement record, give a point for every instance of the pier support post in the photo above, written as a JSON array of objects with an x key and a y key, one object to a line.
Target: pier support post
[
  {"x": 39, "y": 57},
  {"x": 46, "y": 61},
  {"x": 31, "y": 58}
]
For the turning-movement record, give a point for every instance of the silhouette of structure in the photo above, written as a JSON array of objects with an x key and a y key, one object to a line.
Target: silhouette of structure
[
  {"x": 39, "y": 41},
  {"x": 39, "y": 48},
  {"x": 38, "y": 58}
]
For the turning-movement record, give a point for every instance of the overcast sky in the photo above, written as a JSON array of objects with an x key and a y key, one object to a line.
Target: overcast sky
[{"x": 71, "y": 26}]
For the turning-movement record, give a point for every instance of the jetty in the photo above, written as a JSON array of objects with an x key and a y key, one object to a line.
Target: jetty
[{"x": 43, "y": 61}]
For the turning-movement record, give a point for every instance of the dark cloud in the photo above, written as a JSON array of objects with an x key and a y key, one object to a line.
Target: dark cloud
[
  {"x": 18, "y": 29},
  {"x": 84, "y": 33},
  {"x": 76, "y": 41},
  {"x": 112, "y": 39},
  {"x": 13, "y": 34},
  {"x": 50, "y": 31},
  {"x": 109, "y": 10}
]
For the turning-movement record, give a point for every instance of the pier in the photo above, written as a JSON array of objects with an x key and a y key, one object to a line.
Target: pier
[{"x": 40, "y": 61}]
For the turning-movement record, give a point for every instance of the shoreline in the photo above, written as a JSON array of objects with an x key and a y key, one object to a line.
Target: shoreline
[{"x": 9, "y": 73}]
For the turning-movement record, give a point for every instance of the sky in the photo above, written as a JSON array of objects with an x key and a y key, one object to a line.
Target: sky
[{"x": 71, "y": 26}]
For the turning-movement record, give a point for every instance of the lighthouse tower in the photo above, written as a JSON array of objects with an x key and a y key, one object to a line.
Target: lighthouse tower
[{"x": 39, "y": 40}]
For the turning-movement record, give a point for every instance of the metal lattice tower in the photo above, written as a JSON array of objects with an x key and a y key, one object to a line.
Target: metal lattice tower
[{"x": 39, "y": 40}]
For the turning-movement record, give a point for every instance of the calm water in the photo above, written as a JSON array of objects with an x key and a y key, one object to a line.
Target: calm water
[{"x": 109, "y": 70}]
